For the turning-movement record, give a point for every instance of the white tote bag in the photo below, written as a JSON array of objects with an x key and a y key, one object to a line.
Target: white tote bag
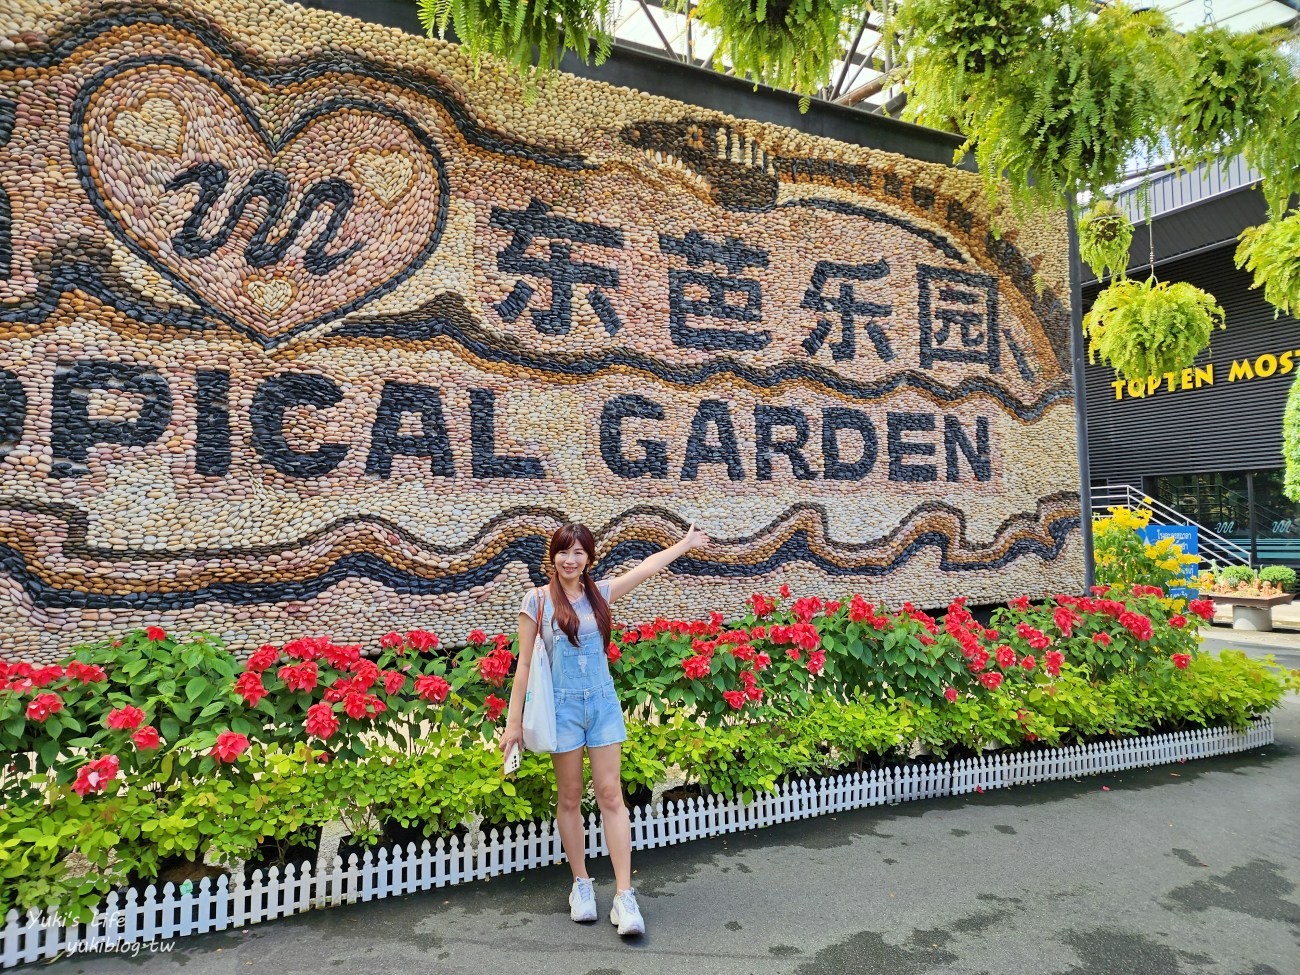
[{"x": 539, "y": 702}]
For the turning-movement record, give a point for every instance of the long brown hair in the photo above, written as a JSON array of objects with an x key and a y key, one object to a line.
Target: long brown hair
[{"x": 565, "y": 618}]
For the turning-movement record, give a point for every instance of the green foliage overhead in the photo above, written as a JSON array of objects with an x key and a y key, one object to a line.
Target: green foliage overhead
[
  {"x": 1241, "y": 98},
  {"x": 1066, "y": 118},
  {"x": 1272, "y": 253},
  {"x": 1147, "y": 328},
  {"x": 949, "y": 41},
  {"x": 512, "y": 29},
  {"x": 1105, "y": 234},
  {"x": 789, "y": 44}
]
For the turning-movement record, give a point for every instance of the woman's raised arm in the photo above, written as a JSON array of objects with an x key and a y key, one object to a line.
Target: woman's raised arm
[{"x": 622, "y": 585}]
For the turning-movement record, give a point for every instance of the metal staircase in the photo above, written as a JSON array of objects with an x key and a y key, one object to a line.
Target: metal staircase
[{"x": 1213, "y": 546}]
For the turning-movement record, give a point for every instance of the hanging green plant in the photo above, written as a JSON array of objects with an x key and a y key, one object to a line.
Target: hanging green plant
[
  {"x": 1144, "y": 329},
  {"x": 1291, "y": 441},
  {"x": 1105, "y": 233},
  {"x": 790, "y": 44},
  {"x": 1066, "y": 117},
  {"x": 1271, "y": 252},
  {"x": 513, "y": 29},
  {"x": 1241, "y": 98},
  {"x": 948, "y": 40}
]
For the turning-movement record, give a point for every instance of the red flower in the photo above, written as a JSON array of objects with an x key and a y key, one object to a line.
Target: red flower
[
  {"x": 1204, "y": 608},
  {"x": 146, "y": 738},
  {"x": 859, "y": 609},
  {"x": 299, "y": 677},
  {"x": 1052, "y": 662},
  {"x": 125, "y": 718},
  {"x": 86, "y": 673},
  {"x": 753, "y": 692},
  {"x": 425, "y": 640},
  {"x": 321, "y": 722},
  {"x": 630, "y": 637},
  {"x": 794, "y": 653},
  {"x": 1034, "y": 637},
  {"x": 1065, "y": 618},
  {"x": 1178, "y": 621},
  {"x": 613, "y": 652},
  {"x": 1137, "y": 624},
  {"x": 1101, "y": 639},
  {"x": 1100, "y": 591},
  {"x": 432, "y": 688},
  {"x": 308, "y": 647},
  {"x": 950, "y": 693},
  {"x": 1181, "y": 660},
  {"x": 1021, "y": 603},
  {"x": 1006, "y": 657},
  {"x": 735, "y": 698},
  {"x": 229, "y": 746},
  {"x": 1028, "y": 663},
  {"x": 785, "y": 592},
  {"x": 249, "y": 687},
  {"x": 390, "y": 641},
  {"x": 393, "y": 681},
  {"x": 95, "y": 776},
  {"x": 155, "y": 633},
  {"x": 762, "y": 661},
  {"x": 43, "y": 705},
  {"x": 366, "y": 673},
  {"x": 477, "y": 637},
  {"x": 263, "y": 657},
  {"x": 991, "y": 680},
  {"x": 816, "y": 662},
  {"x": 495, "y": 667},
  {"x": 495, "y": 706},
  {"x": 45, "y": 676},
  {"x": 358, "y": 704},
  {"x": 763, "y": 606},
  {"x": 696, "y": 667}
]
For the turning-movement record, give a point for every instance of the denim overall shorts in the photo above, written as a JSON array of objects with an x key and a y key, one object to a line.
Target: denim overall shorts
[{"x": 587, "y": 711}]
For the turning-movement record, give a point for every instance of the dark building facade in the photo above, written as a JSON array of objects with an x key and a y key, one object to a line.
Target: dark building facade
[{"x": 1208, "y": 440}]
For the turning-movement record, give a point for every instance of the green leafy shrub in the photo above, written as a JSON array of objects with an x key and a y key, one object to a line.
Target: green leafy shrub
[
  {"x": 1282, "y": 576},
  {"x": 1147, "y": 328},
  {"x": 1237, "y": 574}
]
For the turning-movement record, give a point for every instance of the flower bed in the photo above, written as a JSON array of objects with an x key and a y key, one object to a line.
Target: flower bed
[
  {"x": 152, "y": 913},
  {"x": 148, "y": 755}
]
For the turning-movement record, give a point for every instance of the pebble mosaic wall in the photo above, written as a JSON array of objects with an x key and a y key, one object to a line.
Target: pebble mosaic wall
[{"x": 307, "y": 328}]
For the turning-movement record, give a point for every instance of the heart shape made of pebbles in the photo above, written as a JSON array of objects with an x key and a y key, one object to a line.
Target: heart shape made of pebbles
[{"x": 272, "y": 234}]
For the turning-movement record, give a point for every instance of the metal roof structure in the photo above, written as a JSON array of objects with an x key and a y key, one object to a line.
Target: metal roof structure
[{"x": 860, "y": 76}]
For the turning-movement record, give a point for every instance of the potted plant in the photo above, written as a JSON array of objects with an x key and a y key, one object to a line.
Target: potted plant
[
  {"x": 1147, "y": 328},
  {"x": 1271, "y": 252},
  {"x": 1105, "y": 234}
]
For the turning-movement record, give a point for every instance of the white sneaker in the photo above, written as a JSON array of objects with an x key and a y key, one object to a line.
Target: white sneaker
[
  {"x": 582, "y": 900},
  {"x": 626, "y": 914}
]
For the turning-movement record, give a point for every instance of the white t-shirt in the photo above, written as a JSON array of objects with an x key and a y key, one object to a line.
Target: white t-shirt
[{"x": 582, "y": 606}]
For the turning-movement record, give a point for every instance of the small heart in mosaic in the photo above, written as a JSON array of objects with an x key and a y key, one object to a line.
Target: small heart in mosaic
[
  {"x": 273, "y": 218},
  {"x": 156, "y": 125},
  {"x": 386, "y": 174},
  {"x": 273, "y": 295}
]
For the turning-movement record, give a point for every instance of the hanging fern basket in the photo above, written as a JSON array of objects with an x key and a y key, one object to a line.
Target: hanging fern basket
[
  {"x": 1144, "y": 329},
  {"x": 791, "y": 44},
  {"x": 513, "y": 29},
  {"x": 1271, "y": 252},
  {"x": 1105, "y": 233}
]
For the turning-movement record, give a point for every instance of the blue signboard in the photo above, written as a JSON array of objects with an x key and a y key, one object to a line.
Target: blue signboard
[{"x": 1187, "y": 538}]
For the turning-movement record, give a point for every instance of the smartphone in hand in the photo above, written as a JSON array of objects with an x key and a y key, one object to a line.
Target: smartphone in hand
[{"x": 512, "y": 762}]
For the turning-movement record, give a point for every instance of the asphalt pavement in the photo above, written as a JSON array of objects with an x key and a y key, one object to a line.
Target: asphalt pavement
[{"x": 1188, "y": 869}]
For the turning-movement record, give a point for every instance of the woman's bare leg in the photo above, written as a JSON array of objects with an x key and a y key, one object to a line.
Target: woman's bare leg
[
  {"x": 606, "y": 777},
  {"x": 568, "y": 809}
]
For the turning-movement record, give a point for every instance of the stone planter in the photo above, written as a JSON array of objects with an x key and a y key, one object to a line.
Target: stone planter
[{"x": 1252, "y": 612}]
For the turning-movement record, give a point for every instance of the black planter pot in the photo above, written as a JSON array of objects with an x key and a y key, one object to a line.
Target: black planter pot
[
  {"x": 174, "y": 869},
  {"x": 637, "y": 796},
  {"x": 298, "y": 849}
]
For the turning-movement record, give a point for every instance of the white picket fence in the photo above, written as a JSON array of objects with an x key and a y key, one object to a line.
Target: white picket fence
[{"x": 154, "y": 915}]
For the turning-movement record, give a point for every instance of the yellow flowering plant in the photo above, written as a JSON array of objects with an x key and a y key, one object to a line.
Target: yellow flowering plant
[{"x": 1123, "y": 559}]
